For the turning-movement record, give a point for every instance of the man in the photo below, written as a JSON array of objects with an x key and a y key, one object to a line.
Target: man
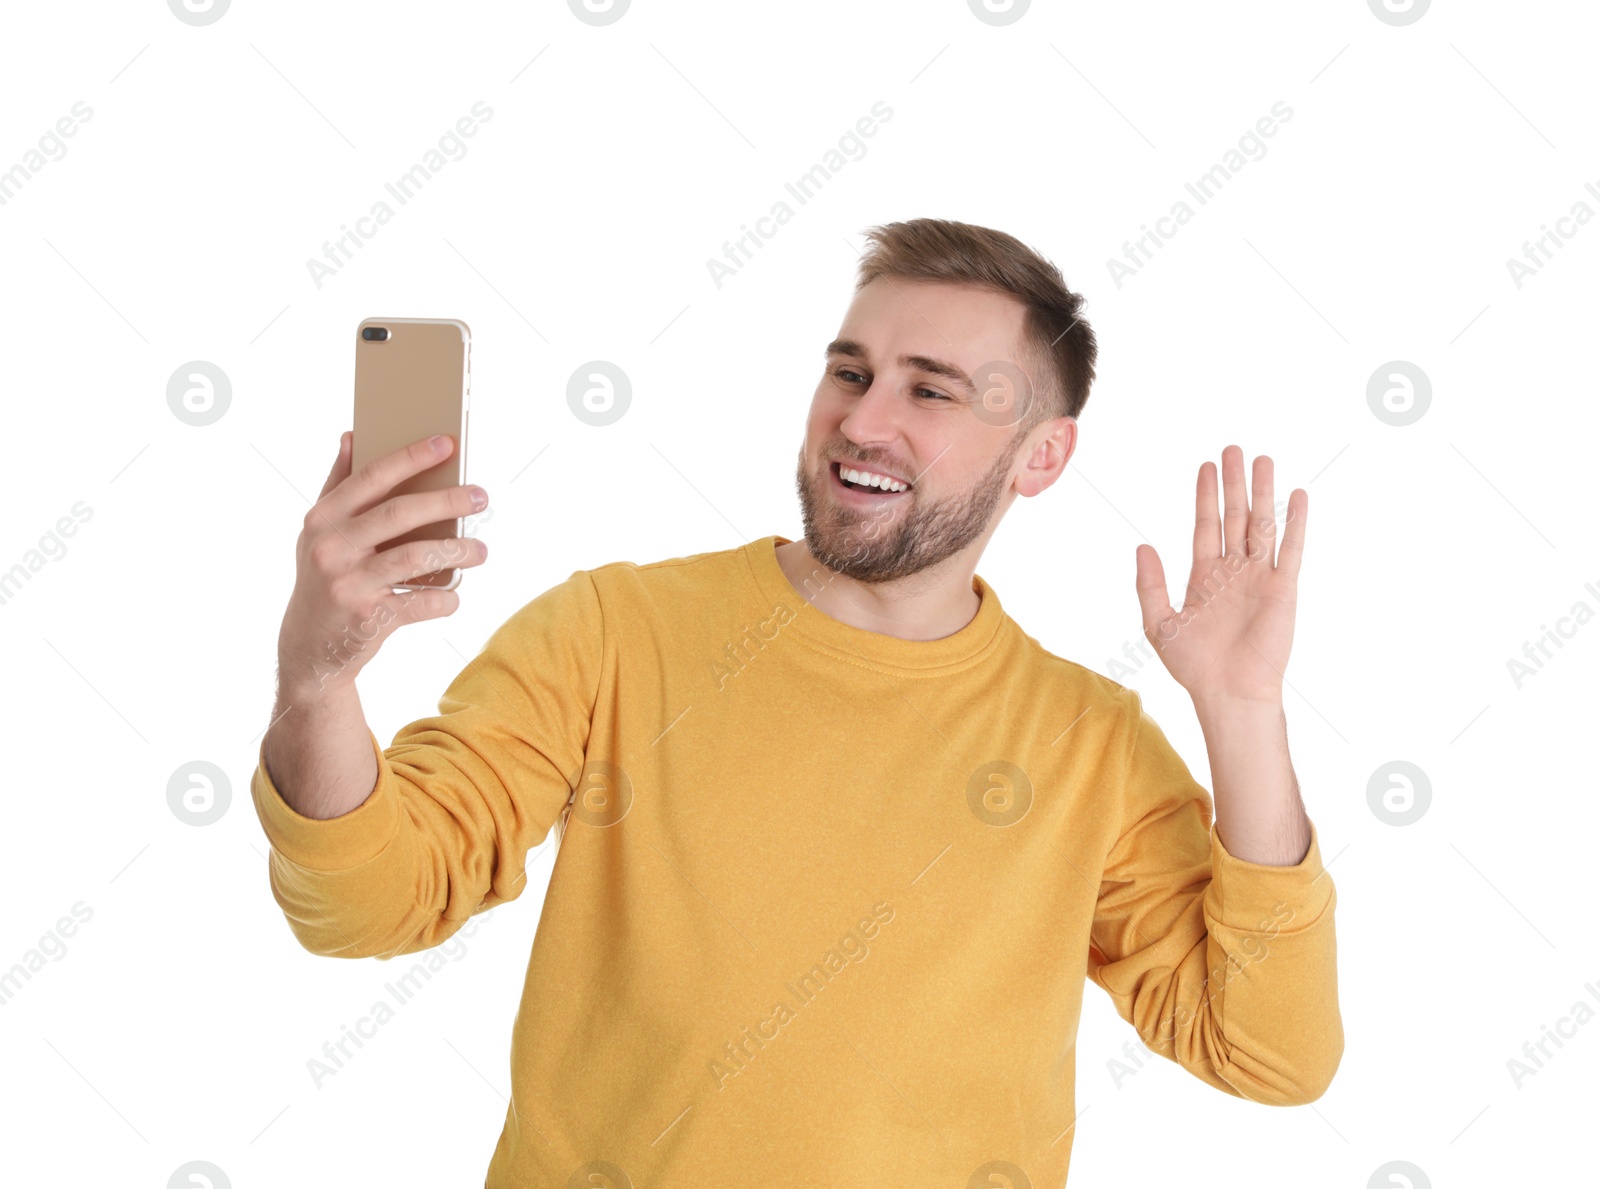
[{"x": 839, "y": 844}]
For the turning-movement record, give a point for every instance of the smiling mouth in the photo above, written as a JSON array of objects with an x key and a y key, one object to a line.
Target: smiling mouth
[{"x": 862, "y": 489}]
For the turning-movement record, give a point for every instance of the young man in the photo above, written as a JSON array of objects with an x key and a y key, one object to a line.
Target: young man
[{"x": 839, "y": 843}]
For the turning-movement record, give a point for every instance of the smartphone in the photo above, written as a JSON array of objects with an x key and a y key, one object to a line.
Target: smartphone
[{"x": 413, "y": 379}]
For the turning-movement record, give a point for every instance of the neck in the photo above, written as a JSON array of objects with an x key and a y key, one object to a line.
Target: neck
[{"x": 929, "y": 605}]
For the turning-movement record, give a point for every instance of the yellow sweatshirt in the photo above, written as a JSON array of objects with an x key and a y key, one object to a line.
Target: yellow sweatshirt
[{"x": 825, "y": 901}]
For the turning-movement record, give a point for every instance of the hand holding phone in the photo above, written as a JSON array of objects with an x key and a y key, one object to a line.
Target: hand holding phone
[{"x": 345, "y": 601}]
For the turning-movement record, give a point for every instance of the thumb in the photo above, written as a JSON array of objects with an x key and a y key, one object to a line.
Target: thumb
[
  {"x": 1150, "y": 582},
  {"x": 341, "y": 465}
]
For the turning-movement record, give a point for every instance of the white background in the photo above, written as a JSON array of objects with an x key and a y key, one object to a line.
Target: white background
[{"x": 177, "y": 226}]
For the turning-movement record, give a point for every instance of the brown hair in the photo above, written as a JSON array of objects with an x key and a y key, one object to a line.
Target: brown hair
[{"x": 1059, "y": 343}]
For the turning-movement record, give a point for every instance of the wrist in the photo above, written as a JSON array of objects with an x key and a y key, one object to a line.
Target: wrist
[
  {"x": 300, "y": 691},
  {"x": 1220, "y": 709}
]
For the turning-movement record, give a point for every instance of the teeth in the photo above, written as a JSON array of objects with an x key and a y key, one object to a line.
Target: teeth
[{"x": 868, "y": 479}]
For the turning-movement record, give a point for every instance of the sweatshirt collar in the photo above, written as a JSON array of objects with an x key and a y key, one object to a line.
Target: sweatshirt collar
[{"x": 922, "y": 658}]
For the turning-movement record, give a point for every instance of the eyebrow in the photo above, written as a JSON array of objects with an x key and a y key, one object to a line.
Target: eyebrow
[{"x": 922, "y": 363}]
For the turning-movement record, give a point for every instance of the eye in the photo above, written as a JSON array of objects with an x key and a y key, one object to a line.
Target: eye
[{"x": 850, "y": 376}]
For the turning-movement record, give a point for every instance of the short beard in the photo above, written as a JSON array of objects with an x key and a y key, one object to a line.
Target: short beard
[{"x": 842, "y": 539}]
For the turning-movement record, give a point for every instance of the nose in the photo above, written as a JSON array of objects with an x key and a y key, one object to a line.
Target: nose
[{"x": 873, "y": 417}]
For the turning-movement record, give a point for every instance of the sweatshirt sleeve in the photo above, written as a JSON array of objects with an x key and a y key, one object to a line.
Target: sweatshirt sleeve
[
  {"x": 461, "y": 796},
  {"x": 1224, "y": 966}
]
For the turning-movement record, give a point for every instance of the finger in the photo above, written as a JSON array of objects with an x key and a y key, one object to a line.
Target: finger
[
  {"x": 1235, "y": 505},
  {"x": 376, "y": 479},
  {"x": 1263, "y": 515},
  {"x": 341, "y": 465},
  {"x": 1207, "y": 528},
  {"x": 1151, "y": 583},
  {"x": 413, "y": 606},
  {"x": 1294, "y": 535},
  {"x": 399, "y": 514},
  {"x": 405, "y": 563}
]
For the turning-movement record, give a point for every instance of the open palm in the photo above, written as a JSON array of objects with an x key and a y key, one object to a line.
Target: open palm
[{"x": 1230, "y": 642}]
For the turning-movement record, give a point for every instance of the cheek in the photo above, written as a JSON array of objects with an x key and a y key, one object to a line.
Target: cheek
[
  {"x": 829, "y": 399},
  {"x": 826, "y": 415}
]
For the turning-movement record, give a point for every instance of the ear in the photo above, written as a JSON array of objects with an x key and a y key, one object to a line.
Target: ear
[{"x": 1051, "y": 445}]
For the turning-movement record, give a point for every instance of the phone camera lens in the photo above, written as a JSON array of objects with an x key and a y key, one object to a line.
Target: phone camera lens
[{"x": 374, "y": 333}]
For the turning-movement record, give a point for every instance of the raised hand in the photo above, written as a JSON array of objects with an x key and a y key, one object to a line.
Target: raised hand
[{"x": 1230, "y": 642}]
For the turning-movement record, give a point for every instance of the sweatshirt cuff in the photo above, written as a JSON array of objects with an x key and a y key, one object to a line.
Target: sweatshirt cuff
[
  {"x": 328, "y": 844},
  {"x": 1247, "y": 896}
]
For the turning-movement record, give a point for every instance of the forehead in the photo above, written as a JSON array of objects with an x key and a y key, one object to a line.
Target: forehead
[{"x": 963, "y": 323}]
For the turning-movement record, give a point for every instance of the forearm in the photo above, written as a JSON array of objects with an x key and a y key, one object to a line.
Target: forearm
[
  {"x": 348, "y": 880},
  {"x": 1220, "y": 950},
  {"x": 318, "y": 751},
  {"x": 1260, "y": 817}
]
